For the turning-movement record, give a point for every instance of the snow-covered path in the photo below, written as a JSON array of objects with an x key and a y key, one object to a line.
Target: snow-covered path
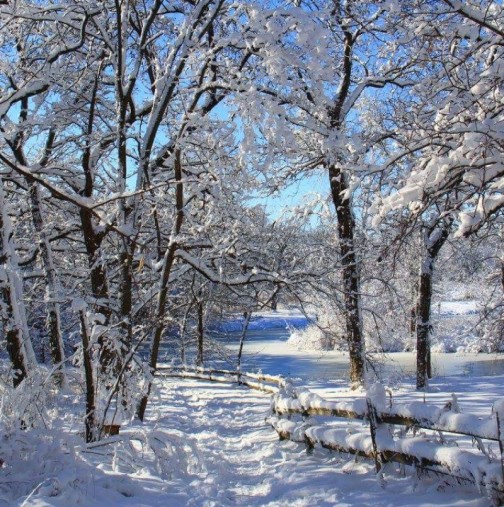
[
  {"x": 238, "y": 459},
  {"x": 208, "y": 445}
]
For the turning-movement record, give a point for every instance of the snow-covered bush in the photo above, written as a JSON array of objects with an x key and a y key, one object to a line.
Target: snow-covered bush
[
  {"x": 326, "y": 331},
  {"x": 311, "y": 338},
  {"x": 28, "y": 404}
]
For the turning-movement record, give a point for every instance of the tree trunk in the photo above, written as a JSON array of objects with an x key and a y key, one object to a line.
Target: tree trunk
[
  {"x": 434, "y": 239},
  {"x": 52, "y": 286},
  {"x": 413, "y": 311},
  {"x": 341, "y": 197},
  {"x": 246, "y": 322},
  {"x": 90, "y": 417},
  {"x": 128, "y": 207},
  {"x": 98, "y": 279},
  {"x": 502, "y": 273},
  {"x": 274, "y": 301},
  {"x": 93, "y": 238},
  {"x": 126, "y": 290},
  {"x": 168, "y": 261},
  {"x": 423, "y": 325},
  {"x": 11, "y": 311},
  {"x": 183, "y": 328},
  {"x": 350, "y": 275},
  {"x": 201, "y": 333}
]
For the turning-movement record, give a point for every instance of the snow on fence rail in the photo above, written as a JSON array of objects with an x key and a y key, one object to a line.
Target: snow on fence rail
[
  {"x": 266, "y": 383},
  {"x": 415, "y": 414},
  {"x": 382, "y": 443}
]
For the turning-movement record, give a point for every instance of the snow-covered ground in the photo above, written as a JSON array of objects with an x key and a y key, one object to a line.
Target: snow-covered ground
[
  {"x": 214, "y": 448},
  {"x": 464, "y": 307},
  {"x": 209, "y": 444}
]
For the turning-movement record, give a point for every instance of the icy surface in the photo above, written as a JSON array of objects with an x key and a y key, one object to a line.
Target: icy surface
[
  {"x": 269, "y": 352},
  {"x": 268, "y": 348},
  {"x": 281, "y": 319}
]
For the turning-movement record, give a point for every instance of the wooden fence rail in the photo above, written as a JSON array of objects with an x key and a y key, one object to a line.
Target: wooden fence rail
[
  {"x": 266, "y": 383},
  {"x": 383, "y": 443},
  {"x": 415, "y": 414}
]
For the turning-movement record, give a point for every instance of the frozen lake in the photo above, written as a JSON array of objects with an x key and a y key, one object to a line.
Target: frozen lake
[{"x": 268, "y": 350}]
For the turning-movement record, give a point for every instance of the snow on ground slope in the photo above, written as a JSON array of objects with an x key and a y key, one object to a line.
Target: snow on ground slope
[
  {"x": 460, "y": 307},
  {"x": 207, "y": 444}
]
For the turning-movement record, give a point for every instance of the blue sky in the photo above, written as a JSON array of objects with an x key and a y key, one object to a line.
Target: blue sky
[{"x": 296, "y": 194}]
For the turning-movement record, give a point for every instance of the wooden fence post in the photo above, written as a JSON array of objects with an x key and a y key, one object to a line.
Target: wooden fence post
[{"x": 373, "y": 426}]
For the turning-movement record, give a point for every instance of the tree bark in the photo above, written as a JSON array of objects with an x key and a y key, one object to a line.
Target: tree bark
[
  {"x": 90, "y": 417},
  {"x": 183, "y": 328},
  {"x": 343, "y": 205},
  {"x": 98, "y": 279},
  {"x": 52, "y": 283},
  {"x": 168, "y": 261},
  {"x": 92, "y": 238},
  {"x": 413, "y": 311},
  {"x": 201, "y": 333},
  {"x": 274, "y": 301},
  {"x": 247, "y": 316},
  {"x": 423, "y": 325}
]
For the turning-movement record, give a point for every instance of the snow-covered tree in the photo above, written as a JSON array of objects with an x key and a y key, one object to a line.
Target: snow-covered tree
[{"x": 450, "y": 160}]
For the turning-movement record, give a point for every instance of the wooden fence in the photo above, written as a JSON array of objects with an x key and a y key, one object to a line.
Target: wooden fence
[
  {"x": 389, "y": 432},
  {"x": 392, "y": 433},
  {"x": 266, "y": 383}
]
